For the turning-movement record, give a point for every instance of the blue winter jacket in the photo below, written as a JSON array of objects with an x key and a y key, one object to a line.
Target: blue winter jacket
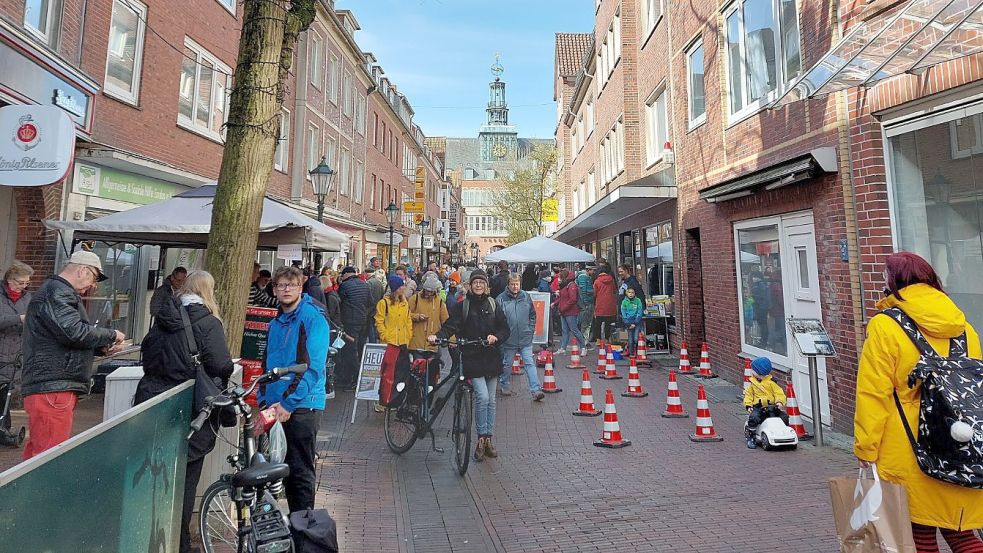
[
  {"x": 281, "y": 351},
  {"x": 521, "y": 317},
  {"x": 586, "y": 288}
]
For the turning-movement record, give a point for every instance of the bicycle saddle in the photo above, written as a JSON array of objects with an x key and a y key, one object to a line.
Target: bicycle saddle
[{"x": 259, "y": 474}]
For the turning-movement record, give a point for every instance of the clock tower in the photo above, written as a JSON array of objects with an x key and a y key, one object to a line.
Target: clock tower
[{"x": 497, "y": 140}]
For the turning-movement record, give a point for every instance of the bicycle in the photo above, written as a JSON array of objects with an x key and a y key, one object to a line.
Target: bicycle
[
  {"x": 239, "y": 511},
  {"x": 412, "y": 415}
]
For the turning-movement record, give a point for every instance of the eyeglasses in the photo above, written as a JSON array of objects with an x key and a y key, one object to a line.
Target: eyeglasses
[
  {"x": 23, "y": 282},
  {"x": 286, "y": 286},
  {"x": 93, "y": 272}
]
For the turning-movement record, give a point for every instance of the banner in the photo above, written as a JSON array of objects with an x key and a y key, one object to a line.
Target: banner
[
  {"x": 370, "y": 372},
  {"x": 253, "y": 348},
  {"x": 37, "y": 145},
  {"x": 541, "y": 305}
]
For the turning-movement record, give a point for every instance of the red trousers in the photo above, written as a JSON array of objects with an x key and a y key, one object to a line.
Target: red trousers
[{"x": 49, "y": 420}]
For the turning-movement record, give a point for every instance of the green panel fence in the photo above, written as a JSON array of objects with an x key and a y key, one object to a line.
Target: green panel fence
[{"x": 115, "y": 487}]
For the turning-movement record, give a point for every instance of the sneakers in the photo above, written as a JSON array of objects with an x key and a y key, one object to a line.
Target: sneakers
[
  {"x": 538, "y": 396},
  {"x": 479, "y": 450},
  {"x": 506, "y": 393},
  {"x": 490, "y": 450},
  {"x": 751, "y": 444},
  {"x": 379, "y": 408}
]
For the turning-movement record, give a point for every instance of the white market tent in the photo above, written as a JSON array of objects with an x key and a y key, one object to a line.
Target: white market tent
[
  {"x": 185, "y": 219},
  {"x": 540, "y": 249}
]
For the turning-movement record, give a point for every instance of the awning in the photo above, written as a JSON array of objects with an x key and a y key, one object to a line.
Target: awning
[
  {"x": 797, "y": 169},
  {"x": 378, "y": 237},
  {"x": 895, "y": 37},
  {"x": 625, "y": 201}
]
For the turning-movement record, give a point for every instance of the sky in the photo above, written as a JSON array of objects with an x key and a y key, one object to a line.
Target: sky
[{"x": 439, "y": 54}]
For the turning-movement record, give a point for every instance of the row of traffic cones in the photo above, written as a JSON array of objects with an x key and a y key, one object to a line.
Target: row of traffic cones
[
  {"x": 611, "y": 433},
  {"x": 685, "y": 368}
]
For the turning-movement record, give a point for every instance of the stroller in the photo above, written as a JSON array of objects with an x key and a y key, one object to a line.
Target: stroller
[{"x": 9, "y": 437}]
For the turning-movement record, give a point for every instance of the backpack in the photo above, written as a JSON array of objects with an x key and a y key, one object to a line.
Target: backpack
[
  {"x": 949, "y": 446},
  {"x": 467, "y": 307}
]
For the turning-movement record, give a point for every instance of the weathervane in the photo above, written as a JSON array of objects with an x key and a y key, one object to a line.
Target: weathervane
[{"x": 497, "y": 68}]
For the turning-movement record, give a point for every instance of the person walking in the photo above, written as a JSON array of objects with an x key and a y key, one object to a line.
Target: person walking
[
  {"x": 428, "y": 313},
  {"x": 887, "y": 359},
  {"x": 59, "y": 345},
  {"x": 585, "y": 299},
  {"x": 517, "y": 306},
  {"x": 501, "y": 280},
  {"x": 171, "y": 284},
  {"x": 377, "y": 290},
  {"x": 167, "y": 363},
  {"x": 530, "y": 278},
  {"x": 569, "y": 311},
  {"x": 14, "y": 299},
  {"x": 478, "y": 317},
  {"x": 605, "y": 305},
  {"x": 354, "y": 295},
  {"x": 392, "y": 319}
]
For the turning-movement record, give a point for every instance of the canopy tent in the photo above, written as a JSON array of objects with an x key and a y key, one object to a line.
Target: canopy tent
[
  {"x": 540, "y": 249},
  {"x": 185, "y": 219}
]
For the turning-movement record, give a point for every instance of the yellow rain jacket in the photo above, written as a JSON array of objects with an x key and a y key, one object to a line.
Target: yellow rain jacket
[
  {"x": 435, "y": 310},
  {"x": 392, "y": 320},
  {"x": 887, "y": 359},
  {"x": 764, "y": 390}
]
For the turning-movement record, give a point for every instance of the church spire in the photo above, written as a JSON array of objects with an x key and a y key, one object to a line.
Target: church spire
[{"x": 498, "y": 109}]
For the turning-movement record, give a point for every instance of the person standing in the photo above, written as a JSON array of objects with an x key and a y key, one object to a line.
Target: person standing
[
  {"x": 59, "y": 345},
  {"x": 632, "y": 310},
  {"x": 14, "y": 299},
  {"x": 354, "y": 294},
  {"x": 166, "y": 290},
  {"x": 392, "y": 315},
  {"x": 530, "y": 278},
  {"x": 568, "y": 308},
  {"x": 428, "y": 312},
  {"x": 629, "y": 280},
  {"x": 257, "y": 292},
  {"x": 377, "y": 290},
  {"x": 887, "y": 359},
  {"x": 167, "y": 363},
  {"x": 501, "y": 280},
  {"x": 298, "y": 334},
  {"x": 313, "y": 288},
  {"x": 478, "y": 317},
  {"x": 585, "y": 298},
  {"x": 605, "y": 304},
  {"x": 517, "y": 306}
]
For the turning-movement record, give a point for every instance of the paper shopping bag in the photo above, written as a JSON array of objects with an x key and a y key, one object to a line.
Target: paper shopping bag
[{"x": 871, "y": 515}]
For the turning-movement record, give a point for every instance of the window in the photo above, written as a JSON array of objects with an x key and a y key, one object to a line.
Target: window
[
  {"x": 760, "y": 280},
  {"x": 591, "y": 188},
  {"x": 372, "y": 193},
  {"x": 360, "y": 115},
  {"x": 229, "y": 5},
  {"x": 589, "y": 124},
  {"x": 204, "y": 91},
  {"x": 313, "y": 147},
  {"x": 358, "y": 187},
  {"x": 41, "y": 19},
  {"x": 282, "y": 143},
  {"x": 125, "y": 52},
  {"x": 656, "y": 127},
  {"x": 762, "y": 45},
  {"x": 695, "y": 75},
  {"x": 375, "y": 129},
  {"x": 659, "y": 278},
  {"x": 612, "y": 153},
  {"x": 348, "y": 94},
  {"x": 609, "y": 52},
  {"x": 329, "y": 150},
  {"x": 652, "y": 15},
  {"x": 333, "y": 72},
  {"x": 315, "y": 61},
  {"x": 344, "y": 172}
]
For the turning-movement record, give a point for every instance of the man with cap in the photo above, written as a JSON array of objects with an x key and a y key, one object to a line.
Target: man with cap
[
  {"x": 59, "y": 344},
  {"x": 355, "y": 307}
]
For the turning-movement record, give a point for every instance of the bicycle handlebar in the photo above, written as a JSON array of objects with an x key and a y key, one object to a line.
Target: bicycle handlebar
[{"x": 462, "y": 342}]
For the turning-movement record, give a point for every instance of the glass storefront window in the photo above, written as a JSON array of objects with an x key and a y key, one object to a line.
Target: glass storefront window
[
  {"x": 112, "y": 303},
  {"x": 606, "y": 250},
  {"x": 762, "y": 301},
  {"x": 659, "y": 278}
]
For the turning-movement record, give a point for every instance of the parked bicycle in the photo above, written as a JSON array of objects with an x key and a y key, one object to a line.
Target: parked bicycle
[
  {"x": 239, "y": 511},
  {"x": 417, "y": 405}
]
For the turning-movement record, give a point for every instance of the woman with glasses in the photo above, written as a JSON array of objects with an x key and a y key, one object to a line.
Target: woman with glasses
[{"x": 14, "y": 298}]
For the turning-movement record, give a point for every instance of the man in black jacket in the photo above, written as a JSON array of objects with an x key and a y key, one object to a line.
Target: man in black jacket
[
  {"x": 500, "y": 281},
  {"x": 166, "y": 290},
  {"x": 354, "y": 294},
  {"x": 59, "y": 344}
]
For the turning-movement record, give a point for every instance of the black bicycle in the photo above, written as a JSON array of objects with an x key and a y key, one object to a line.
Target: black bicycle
[
  {"x": 239, "y": 511},
  {"x": 417, "y": 405}
]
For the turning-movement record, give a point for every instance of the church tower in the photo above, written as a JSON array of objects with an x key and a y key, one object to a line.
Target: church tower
[{"x": 497, "y": 139}]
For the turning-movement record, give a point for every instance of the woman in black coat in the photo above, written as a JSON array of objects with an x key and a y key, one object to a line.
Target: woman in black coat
[{"x": 167, "y": 363}]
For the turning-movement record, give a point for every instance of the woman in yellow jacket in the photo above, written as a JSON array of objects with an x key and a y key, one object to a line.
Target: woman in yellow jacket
[
  {"x": 428, "y": 313},
  {"x": 392, "y": 315},
  {"x": 879, "y": 436}
]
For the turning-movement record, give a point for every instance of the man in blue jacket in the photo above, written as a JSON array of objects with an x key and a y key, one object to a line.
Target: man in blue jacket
[
  {"x": 516, "y": 304},
  {"x": 298, "y": 334}
]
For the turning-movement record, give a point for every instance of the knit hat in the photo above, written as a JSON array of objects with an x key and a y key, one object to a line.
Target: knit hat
[
  {"x": 431, "y": 284},
  {"x": 761, "y": 366},
  {"x": 477, "y": 274},
  {"x": 379, "y": 274},
  {"x": 349, "y": 270},
  {"x": 395, "y": 282},
  {"x": 456, "y": 277}
]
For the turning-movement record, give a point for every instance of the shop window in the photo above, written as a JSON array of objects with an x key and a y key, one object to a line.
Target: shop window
[
  {"x": 659, "y": 277},
  {"x": 125, "y": 52},
  {"x": 695, "y": 77},
  {"x": 112, "y": 303},
  {"x": 204, "y": 90},
  {"x": 762, "y": 294}
]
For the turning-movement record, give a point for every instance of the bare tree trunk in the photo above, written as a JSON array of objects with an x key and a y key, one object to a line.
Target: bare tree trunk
[{"x": 270, "y": 29}]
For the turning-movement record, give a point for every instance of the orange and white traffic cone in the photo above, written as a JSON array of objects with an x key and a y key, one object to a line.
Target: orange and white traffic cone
[
  {"x": 586, "y": 399},
  {"x": 611, "y": 435},
  {"x": 610, "y": 370},
  {"x": 705, "y": 371},
  {"x": 574, "y": 357},
  {"x": 674, "y": 406},
  {"x": 747, "y": 378},
  {"x": 634, "y": 383},
  {"x": 704, "y": 423},
  {"x": 794, "y": 416},
  {"x": 517, "y": 364},
  {"x": 641, "y": 351},
  {"x": 549, "y": 380},
  {"x": 684, "y": 366},
  {"x": 602, "y": 358}
]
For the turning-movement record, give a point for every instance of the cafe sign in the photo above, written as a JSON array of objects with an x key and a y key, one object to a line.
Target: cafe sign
[{"x": 37, "y": 145}]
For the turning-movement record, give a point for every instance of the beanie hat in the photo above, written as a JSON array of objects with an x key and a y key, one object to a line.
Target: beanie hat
[
  {"x": 395, "y": 282},
  {"x": 761, "y": 366},
  {"x": 477, "y": 274},
  {"x": 349, "y": 270},
  {"x": 431, "y": 284},
  {"x": 456, "y": 277}
]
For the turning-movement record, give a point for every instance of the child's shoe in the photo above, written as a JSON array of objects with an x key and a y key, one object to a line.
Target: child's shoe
[{"x": 751, "y": 444}]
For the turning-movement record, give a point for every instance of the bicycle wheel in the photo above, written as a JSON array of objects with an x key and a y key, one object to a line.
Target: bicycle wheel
[
  {"x": 401, "y": 423},
  {"x": 463, "y": 411},
  {"x": 218, "y": 519}
]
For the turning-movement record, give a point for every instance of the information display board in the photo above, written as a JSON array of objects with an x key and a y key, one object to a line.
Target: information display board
[
  {"x": 541, "y": 305},
  {"x": 811, "y": 337}
]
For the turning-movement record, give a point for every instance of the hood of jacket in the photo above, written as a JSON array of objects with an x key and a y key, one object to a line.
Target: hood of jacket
[
  {"x": 935, "y": 313},
  {"x": 169, "y": 317},
  {"x": 604, "y": 278}
]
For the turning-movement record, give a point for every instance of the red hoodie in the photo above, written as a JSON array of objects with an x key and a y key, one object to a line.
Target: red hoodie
[
  {"x": 566, "y": 304},
  {"x": 605, "y": 296}
]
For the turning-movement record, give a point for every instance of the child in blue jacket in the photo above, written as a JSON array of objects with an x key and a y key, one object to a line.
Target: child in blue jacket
[{"x": 632, "y": 310}]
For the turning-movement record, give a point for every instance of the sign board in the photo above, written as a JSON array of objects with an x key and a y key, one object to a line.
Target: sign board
[
  {"x": 289, "y": 252},
  {"x": 428, "y": 242},
  {"x": 370, "y": 372},
  {"x": 345, "y": 246},
  {"x": 811, "y": 337},
  {"x": 253, "y": 349},
  {"x": 113, "y": 184},
  {"x": 418, "y": 218},
  {"x": 37, "y": 145},
  {"x": 541, "y": 305},
  {"x": 551, "y": 210},
  {"x": 420, "y": 195},
  {"x": 420, "y": 172},
  {"x": 413, "y": 207}
]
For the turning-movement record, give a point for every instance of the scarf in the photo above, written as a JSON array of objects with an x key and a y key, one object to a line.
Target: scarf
[
  {"x": 188, "y": 299},
  {"x": 14, "y": 296}
]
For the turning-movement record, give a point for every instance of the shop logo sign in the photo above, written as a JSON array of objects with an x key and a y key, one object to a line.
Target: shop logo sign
[
  {"x": 86, "y": 180},
  {"x": 37, "y": 144},
  {"x": 27, "y": 135}
]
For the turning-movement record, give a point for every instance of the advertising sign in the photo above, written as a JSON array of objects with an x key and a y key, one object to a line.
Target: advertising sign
[
  {"x": 414, "y": 207},
  {"x": 811, "y": 337},
  {"x": 254, "y": 344},
  {"x": 551, "y": 210},
  {"x": 112, "y": 184},
  {"x": 37, "y": 145},
  {"x": 370, "y": 372},
  {"x": 541, "y": 305}
]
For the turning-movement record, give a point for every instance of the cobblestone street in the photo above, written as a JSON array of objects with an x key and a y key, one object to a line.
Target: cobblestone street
[{"x": 552, "y": 490}]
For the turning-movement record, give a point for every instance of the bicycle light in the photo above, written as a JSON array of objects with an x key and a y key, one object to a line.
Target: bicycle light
[{"x": 400, "y": 387}]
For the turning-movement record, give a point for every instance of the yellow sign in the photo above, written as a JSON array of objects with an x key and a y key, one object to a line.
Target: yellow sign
[
  {"x": 551, "y": 210},
  {"x": 418, "y": 218},
  {"x": 419, "y": 195},
  {"x": 413, "y": 207},
  {"x": 420, "y": 172}
]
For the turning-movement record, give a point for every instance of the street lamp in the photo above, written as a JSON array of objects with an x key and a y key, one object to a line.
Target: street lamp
[
  {"x": 474, "y": 252},
  {"x": 423, "y": 251},
  {"x": 392, "y": 210},
  {"x": 440, "y": 237},
  {"x": 321, "y": 177}
]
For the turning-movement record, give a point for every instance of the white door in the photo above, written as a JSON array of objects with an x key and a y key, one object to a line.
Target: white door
[{"x": 803, "y": 299}]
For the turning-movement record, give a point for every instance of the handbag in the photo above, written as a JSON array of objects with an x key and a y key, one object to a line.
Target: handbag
[
  {"x": 871, "y": 515},
  {"x": 206, "y": 386}
]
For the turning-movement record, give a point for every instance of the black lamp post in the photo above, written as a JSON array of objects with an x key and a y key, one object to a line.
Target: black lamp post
[
  {"x": 321, "y": 177},
  {"x": 474, "y": 252},
  {"x": 440, "y": 237},
  {"x": 392, "y": 210},
  {"x": 423, "y": 251}
]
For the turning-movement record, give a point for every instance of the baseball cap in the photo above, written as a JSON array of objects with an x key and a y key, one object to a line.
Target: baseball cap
[{"x": 88, "y": 259}]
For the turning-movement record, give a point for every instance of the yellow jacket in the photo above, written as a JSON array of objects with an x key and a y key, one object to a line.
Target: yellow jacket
[
  {"x": 392, "y": 320},
  {"x": 764, "y": 390},
  {"x": 436, "y": 312},
  {"x": 887, "y": 359}
]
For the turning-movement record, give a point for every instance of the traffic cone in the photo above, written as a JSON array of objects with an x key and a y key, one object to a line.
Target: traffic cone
[
  {"x": 516, "y": 364},
  {"x": 705, "y": 371},
  {"x": 549, "y": 380},
  {"x": 684, "y": 366},
  {"x": 641, "y": 352},
  {"x": 574, "y": 357},
  {"x": 634, "y": 384},
  {"x": 747, "y": 378},
  {"x": 794, "y": 416},
  {"x": 674, "y": 407},
  {"x": 602, "y": 358},
  {"x": 610, "y": 371},
  {"x": 704, "y": 424},
  {"x": 586, "y": 399},
  {"x": 611, "y": 435}
]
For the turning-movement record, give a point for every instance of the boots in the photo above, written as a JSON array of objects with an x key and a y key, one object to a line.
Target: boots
[
  {"x": 479, "y": 450},
  {"x": 490, "y": 450}
]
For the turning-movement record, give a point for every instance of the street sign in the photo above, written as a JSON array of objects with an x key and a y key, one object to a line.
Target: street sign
[
  {"x": 419, "y": 195},
  {"x": 551, "y": 210},
  {"x": 420, "y": 172},
  {"x": 417, "y": 217},
  {"x": 428, "y": 242},
  {"x": 413, "y": 207}
]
